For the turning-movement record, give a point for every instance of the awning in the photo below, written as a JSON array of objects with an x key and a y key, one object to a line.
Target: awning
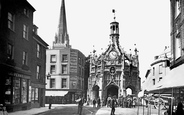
[
  {"x": 55, "y": 93},
  {"x": 174, "y": 79}
]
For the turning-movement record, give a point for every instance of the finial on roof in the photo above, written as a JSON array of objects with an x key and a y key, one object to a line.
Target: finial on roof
[{"x": 113, "y": 11}]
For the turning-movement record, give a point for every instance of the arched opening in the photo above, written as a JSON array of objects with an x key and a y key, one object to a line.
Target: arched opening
[
  {"x": 129, "y": 91},
  {"x": 112, "y": 91},
  {"x": 95, "y": 92}
]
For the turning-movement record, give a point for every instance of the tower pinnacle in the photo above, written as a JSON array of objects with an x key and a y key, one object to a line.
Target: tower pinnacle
[{"x": 62, "y": 38}]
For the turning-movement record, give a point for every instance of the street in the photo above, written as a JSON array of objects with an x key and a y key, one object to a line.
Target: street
[
  {"x": 70, "y": 110},
  {"x": 88, "y": 110}
]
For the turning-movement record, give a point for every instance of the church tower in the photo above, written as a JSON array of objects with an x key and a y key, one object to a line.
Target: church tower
[{"x": 62, "y": 37}]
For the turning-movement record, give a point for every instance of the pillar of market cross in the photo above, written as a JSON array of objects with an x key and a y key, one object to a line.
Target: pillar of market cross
[{"x": 114, "y": 71}]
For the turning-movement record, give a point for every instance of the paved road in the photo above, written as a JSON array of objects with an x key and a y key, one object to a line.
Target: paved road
[
  {"x": 88, "y": 110},
  {"x": 70, "y": 110}
]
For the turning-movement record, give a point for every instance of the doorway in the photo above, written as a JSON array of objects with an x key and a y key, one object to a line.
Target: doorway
[{"x": 112, "y": 91}]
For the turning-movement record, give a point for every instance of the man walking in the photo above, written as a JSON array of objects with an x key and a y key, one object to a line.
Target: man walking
[
  {"x": 113, "y": 105},
  {"x": 50, "y": 102}
]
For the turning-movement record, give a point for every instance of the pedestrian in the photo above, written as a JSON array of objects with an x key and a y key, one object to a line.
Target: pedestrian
[
  {"x": 98, "y": 102},
  {"x": 3, "y": 110},
  {"x": 94, "y": 103},
  {"x": 50, "y": 102},
  {"x": 80, "y": 105},
  {"x": 113, "y": 105},
  {"x": 169, "y": 111},
  {"x": 179, "y": 110},
  {"x": 133, "y": 103}
]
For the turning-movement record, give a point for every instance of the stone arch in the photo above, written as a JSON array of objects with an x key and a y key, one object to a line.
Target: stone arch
[
  {"x": 112, "y": 90},
  {"x": 95, "y": 91},
  {"x": 132, "y": 89}
]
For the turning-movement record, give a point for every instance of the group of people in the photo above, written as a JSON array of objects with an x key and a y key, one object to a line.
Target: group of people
[
  {"x": 97, "y": 102},
  {"x": 122, "y": 102},
  {"x": 179, "y": 110}
]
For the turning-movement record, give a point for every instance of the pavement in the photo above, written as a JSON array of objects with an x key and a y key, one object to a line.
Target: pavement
[{"x": 34, "y": 111}]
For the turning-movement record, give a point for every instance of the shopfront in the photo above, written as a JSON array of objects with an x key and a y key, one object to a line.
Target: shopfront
[{"x": 17, "y": 91}]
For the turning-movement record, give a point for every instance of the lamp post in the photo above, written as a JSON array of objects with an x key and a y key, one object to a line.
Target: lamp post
[{"x": 48, "y": 76}]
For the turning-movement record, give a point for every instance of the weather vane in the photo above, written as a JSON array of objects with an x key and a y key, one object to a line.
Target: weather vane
[{"x": 113, "y": 11}]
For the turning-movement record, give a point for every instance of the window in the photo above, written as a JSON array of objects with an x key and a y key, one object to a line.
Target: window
[
  {"x": 52, "y": 69},
  {"x": 63, "y": 81},
  {"x": 10, "y": 21},
  {"x": 64, "y": 69},
  {"x": 79, "y": 60},
  {"x": 64, "y": 58},
  {"x": 24, "y": 92},
  {"x": 52, "y": 83},
  {"x": 38, "y": 51},
  {"x": 153, "y": 81},
  {"x": 16, "y": 90},
  {"x": 160, "y": 69},
  {"x": 53, "y": 58},
  {"x": 24, "y": 60},
  {"x": 153, "y": 71},
  {"x": 160, "y": 78},
  {"x": 25, "y": 32},
  {"x": 26, "y": 12},
  {"x": 38, "y": 72},
  {"x": 10, "y": 51},
  {"x": 34, "y": 94}
]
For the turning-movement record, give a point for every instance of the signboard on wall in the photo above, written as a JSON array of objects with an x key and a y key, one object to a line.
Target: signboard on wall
[{"x": 73, "y": 62}]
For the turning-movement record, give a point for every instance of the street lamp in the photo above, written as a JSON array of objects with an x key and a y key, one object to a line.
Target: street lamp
[{"x": 48, "y": 76}]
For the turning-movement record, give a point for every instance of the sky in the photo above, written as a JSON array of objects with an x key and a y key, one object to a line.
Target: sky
[{"x": 145, "y": 23}]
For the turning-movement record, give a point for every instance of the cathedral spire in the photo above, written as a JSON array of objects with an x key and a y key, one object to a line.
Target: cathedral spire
[{"x": 62, "y": 37}]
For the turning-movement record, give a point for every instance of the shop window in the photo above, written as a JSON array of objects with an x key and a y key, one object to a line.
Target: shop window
[
  {"x": 64, "y": 83},
  {"x": 30, "y": 91},
  {"x": 16, "y": 90},
  {"x": 34, "y": 95},
  {"x": 8, "y": 91},
  {"x": 24, "y": 91}
]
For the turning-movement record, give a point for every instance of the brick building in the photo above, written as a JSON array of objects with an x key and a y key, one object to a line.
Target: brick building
[{"x": 22, "y": 57}]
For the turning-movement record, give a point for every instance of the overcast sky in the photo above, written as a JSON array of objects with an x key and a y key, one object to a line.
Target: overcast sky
[{"x": 145, "y": 23}]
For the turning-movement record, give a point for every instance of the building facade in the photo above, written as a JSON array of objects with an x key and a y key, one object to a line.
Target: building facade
[
  {"x": 177, "y": 32},
  {"x": 65, "y": 66},
  {"x": 159, "y": 69},
  {"x": 114, "y": 70},
  {"x": 22, "y": 84}
]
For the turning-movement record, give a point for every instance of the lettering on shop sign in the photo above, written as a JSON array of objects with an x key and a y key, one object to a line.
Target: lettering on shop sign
[{"x": 19, "y": 75}]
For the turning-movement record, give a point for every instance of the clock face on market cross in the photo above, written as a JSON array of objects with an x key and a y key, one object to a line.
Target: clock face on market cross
[{"x": 113, "y": 55}]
